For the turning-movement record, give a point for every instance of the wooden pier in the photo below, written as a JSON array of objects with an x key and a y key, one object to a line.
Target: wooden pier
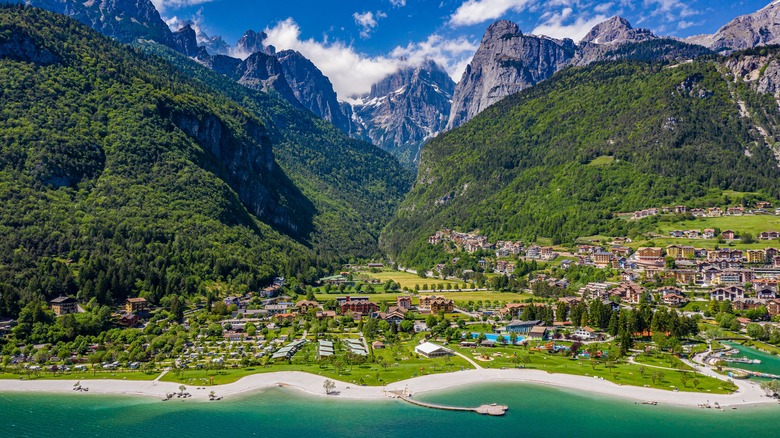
[{"x": 494, "y": 409}]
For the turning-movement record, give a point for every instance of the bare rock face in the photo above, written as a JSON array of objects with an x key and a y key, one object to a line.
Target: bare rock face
[
  {"x": 505, "y": 63},
  {"x": 508, "y": 61},
  {"x": 259, "y": 72},
  {"x": 214, "y": 45},
  {"x": 244, "y": 159},
  {"x": 761, "y": 72},
  {"x": 263, "y": 73},
  {"x": 21, "y": 47},
  {"x": 617, "y": 30},
  {"x": 123, "y": 20},
  {"x": 312, "y": 88},
  {"x": 251, "y": 42},
  {"x": 757, "y": 29},
  {"x": 186, "y": 41},
  {"x": 406, "y": 109}
]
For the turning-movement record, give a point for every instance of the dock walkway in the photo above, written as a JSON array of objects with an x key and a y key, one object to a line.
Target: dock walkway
[{"x": 494, "y": 409}]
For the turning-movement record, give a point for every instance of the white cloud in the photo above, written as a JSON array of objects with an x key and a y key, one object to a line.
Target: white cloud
[
  {"x": 479, "y": 11},
  {"x": 682, "y": 25},
  {"x": 163, "y": 5},
  {"x": 352, "y": 73},
  {"x": 564, "y": 25},
  {"x": 671, "y": 10},
  {"x": 196, "y": 21},
  {"x": 453, "y": 54},
  {"x": 367, "y": 21},
  {"x": 398, "y": 3},
  {"x": 604, "y": 7}
]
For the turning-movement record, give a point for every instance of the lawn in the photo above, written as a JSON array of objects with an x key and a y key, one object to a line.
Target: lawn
[
  {"x": 662, "y": 360},
  {"x": 406, "y": 279},
  {"x": 753, "y": 224},
  {"x": 398, "y": 362},
  {"x": 621, "y": 372}
]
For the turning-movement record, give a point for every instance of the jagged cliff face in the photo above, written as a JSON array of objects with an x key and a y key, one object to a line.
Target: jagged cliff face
[
  {"x": 617, "y": 30},
  {"x": 505, "y": 63},
  {"x": 251, "y": 42},
  {"x": 757, "y": 29},
  {"x": 247, "y": 161},
  {"x": 123, "y": 20},
  {"x": 508, "y": 61},
  {"x": 259, "y": 72},
  {"x": 312, "y": 88},
  {"x": 186, "y": 41},
  {"x": 214, "y": 45},
  {"x": 406, "y": 109},
  {"x": 762, "y": 74}
]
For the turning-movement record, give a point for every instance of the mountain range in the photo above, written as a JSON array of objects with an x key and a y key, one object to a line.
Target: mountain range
[
  {"x": 562, "y": 159},
  {"x": 145, "y": 163},
  {"x": 423, "y": 101}
]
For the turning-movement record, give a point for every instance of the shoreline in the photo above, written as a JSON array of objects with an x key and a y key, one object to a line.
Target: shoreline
[{"x": 748, "y": 394}]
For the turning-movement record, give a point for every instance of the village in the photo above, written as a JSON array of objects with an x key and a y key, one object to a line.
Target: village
[{"x": 602, "y": 307}]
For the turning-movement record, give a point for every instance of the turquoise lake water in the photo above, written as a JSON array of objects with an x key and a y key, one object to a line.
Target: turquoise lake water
[
  {"x": 769, "y": 364},
  {"x": 533, "y": 411}
]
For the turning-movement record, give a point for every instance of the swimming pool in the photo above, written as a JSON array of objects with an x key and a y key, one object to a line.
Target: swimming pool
[{"x": 494, "y": 337}]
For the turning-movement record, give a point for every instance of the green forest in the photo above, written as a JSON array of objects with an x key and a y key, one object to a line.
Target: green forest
[
  {"x": 120, "y": 176},
  {"x": 560, "y": 159}
]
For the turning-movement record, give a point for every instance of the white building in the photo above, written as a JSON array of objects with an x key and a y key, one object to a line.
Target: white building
[
  {"x": 584, "y": 333},
  {"x": 430, "y": 350}
]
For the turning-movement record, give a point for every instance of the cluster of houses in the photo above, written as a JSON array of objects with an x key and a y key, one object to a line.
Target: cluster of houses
[
  {"x": 128, "y": 316},
  {"x": 765, "y": 293},
  {"x": 355, "y": 306},
  {"x": 692, "y": 265},
  {"x": 473, "y": 242},
  {"x": 469, "y": 242},
  {"x": 761, "y": 207},
  {"x": 710, "y": 233}
]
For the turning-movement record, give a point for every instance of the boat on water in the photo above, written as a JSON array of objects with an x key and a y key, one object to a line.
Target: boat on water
[{"x": 742, "y": 359}]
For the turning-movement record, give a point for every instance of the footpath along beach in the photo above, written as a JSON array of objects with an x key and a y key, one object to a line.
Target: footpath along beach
[{"x": 748, "y": 393}]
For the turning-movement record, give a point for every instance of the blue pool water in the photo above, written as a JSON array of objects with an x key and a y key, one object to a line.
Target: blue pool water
[{"x": 494, "y": 337}]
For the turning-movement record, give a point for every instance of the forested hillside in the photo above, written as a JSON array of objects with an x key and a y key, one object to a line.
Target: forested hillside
[
  {"x": 120, "y": 176},
  {"x": 354, "y": 186},
  {"x": 558, "y": 160}
]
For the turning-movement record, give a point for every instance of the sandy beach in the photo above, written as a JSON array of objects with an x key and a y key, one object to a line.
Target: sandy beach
[{"x": 748, "y": 393}]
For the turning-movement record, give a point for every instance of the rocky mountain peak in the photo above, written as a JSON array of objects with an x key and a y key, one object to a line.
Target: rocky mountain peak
[
  {"x": 617, "y": 30},
  {"x": 251, "y": 42},
  {"x": 186, "y": 40},
  {"x": 311, "y": 87},
  {"x": 505, "y": 63},
  {"x": 757, "y": 29},
  {"x": 123, "y": 20},
  {"x": 501, "y": 29},
  {"x": 406, "y": 108},
  {"x": 215, "y": 45}
]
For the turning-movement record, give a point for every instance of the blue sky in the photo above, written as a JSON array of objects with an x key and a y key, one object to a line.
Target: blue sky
[{"x": 357, "y": 42}]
